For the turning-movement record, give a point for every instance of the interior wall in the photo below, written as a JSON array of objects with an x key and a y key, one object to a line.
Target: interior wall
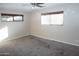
[
  {"x": 68, "y": 33},
  {"x": 16, "y": 29}
]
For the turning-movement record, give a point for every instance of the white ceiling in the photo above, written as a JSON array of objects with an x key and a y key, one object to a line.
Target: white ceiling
[{"x": 27, "y": 7}]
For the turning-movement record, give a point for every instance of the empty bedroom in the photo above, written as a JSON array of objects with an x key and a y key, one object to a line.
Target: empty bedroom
[{"x": 39, "y": 29}]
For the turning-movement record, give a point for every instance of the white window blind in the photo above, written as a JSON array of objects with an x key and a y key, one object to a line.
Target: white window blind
[{"x": 55, "y": 19}]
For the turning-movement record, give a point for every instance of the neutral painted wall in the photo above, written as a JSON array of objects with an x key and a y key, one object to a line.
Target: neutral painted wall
[
  {"x": 16, "y": 29},
  {"x": 68, "y": 33}
]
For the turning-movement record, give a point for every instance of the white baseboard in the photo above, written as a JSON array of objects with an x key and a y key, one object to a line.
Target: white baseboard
[
  {"x": 55, "y": 40},
  {"x": 41, "y": 37},
  {"x": 16, "y": 37}
]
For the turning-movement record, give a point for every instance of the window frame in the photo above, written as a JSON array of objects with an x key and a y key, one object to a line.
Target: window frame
[
  {"x": 12, "y": 15},
  {"x": 52, "y": 13}
]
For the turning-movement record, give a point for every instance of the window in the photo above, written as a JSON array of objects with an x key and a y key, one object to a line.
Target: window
[
  {"x": 55, "y": 18},
  {"x": 11, "y": 17},
  {"x": 3, "y": 33}
]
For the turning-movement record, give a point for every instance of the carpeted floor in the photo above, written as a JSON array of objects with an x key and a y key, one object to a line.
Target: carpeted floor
[{"x": 34, "y": 46}]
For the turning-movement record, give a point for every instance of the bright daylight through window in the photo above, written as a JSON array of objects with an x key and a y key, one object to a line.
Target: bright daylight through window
[
  {"x": 3, "y": 33},
  {"x": 11, "y": 17},
  {"x": 55, "y": 18}
]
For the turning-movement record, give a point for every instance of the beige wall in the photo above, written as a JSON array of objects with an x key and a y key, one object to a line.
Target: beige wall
[
  {"x": 16, "y": 29},
  {"x": 68, "y": 33}
]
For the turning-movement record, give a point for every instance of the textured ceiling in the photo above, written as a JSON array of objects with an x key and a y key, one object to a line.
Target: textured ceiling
[{"x": 27, "y": 7}]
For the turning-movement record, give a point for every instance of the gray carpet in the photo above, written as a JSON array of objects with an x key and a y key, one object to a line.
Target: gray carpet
[{"x": 34, "y": 46}]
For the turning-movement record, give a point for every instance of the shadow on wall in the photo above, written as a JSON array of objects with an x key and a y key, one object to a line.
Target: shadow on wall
[{"x": 3, "y": 33}]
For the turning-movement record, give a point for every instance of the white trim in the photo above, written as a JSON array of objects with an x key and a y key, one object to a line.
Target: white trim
[
  {"x": 41, "y": 37},
  {"x": 13, "y": 38},
  {"x": 55, "y": 40}
]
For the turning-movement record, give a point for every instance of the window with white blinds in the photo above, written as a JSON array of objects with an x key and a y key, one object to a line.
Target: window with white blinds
[{"x": 55, "y": 18}]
